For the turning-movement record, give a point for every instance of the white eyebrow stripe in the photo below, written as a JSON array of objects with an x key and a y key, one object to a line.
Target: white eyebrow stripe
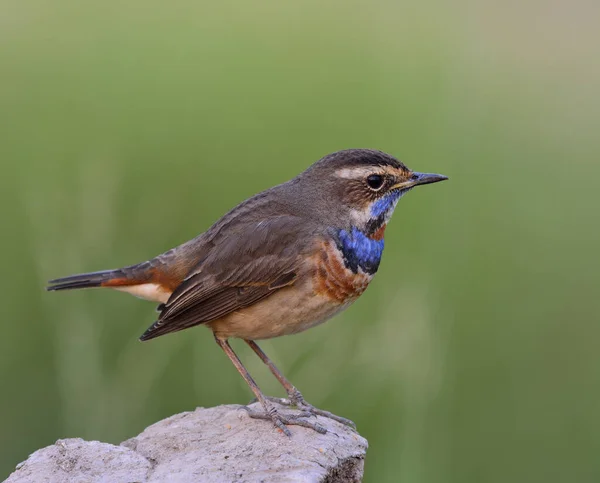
[{"x": 353, "y": 173}]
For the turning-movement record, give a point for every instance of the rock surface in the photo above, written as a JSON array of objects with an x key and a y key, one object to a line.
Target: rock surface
[{"x": 220, "y": 444}]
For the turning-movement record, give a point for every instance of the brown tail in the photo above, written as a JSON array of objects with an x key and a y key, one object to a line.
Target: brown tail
[{"x": 105, "y": 278}]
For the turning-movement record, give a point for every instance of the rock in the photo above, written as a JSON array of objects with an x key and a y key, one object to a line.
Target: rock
[
  {"x": 220, "y": 444},
  {"x": 76, "y": 460}
]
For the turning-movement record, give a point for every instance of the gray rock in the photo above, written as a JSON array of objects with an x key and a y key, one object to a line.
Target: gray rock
[
  {"x": 220, "y": 444},
  {"x": 78, "y": 461}
]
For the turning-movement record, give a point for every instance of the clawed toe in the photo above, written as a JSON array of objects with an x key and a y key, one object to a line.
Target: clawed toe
[
  {"x": 297, "y": 421},
  {"x": 281, "y": 421},
  {"x": 315, "y": 411},
  {"x": 269, "y": 416},
  {"x": 297, "y": 400}
]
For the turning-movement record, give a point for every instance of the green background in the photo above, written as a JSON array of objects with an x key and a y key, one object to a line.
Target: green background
[{"x": 128, "y": 127}]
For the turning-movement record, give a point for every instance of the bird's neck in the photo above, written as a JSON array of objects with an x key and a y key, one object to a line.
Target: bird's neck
[
  {"x": 360, "y": 251},
  {"x": 378, "y": 233},
  {"x": 362, "y": 245},
  {"x": 380, "y": 212}
]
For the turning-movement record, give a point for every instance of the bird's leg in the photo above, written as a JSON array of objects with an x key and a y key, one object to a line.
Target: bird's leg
[
  {"x": 271, "y": 413},
  {"x": 296, "y": 398},
  {"x": 293, "y": 393}
]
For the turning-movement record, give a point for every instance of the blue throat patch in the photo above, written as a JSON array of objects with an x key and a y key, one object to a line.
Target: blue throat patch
[
  {"x": 360, "y": 251},
  {"x": 385, "y": 203}
]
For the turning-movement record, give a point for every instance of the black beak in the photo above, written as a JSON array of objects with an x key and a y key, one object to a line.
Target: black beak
[{"x": 426, "y": 178}]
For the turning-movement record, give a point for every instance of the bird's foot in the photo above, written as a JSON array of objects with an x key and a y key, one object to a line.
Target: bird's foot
[
  {"x": 282, "y": 421},
  {"x": 297, "y": 400}
]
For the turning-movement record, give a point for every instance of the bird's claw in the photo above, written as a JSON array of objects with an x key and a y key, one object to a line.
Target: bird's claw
[
  {"x": 281, "y": 421},
  {"x": 297, "y": 401},
  {"x": 321, "y": 412}
]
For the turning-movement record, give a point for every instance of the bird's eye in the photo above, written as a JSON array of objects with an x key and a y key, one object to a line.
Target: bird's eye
[
  {"x": 414, "y": 177},
  {"x": 375, "y": 181}
]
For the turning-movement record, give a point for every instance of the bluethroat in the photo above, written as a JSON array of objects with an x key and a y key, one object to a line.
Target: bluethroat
[{"x": 280, "y": 262}]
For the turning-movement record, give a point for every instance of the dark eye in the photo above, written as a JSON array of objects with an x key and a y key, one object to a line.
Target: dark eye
[{"x": 375, "y": 181}]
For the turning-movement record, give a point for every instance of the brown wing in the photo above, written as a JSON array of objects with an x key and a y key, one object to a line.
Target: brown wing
[{"x": 254, "y": 261}]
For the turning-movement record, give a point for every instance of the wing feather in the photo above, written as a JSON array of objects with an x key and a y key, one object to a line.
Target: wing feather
[{"x": 242, "y": 269}]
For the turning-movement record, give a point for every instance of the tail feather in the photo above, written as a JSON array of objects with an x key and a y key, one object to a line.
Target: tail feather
[
  {"x": 145, "y": 280},
  {"x": 87, "y": 280}
]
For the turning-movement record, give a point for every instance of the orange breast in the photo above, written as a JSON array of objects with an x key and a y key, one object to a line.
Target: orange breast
[
  {"x": 378, "y": 235},
  {"x": 332, "y": 279}
]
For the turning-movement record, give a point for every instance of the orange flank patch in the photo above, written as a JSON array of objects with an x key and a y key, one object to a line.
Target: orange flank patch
[
  {"x": 152, "y": 276},
  {"x": 166, "y": 280},
  {"x": 332, "y": 279},
  {"x": 155, "y": 286},
  {"x": 378, "y": 235},
  {"x": 121, "y": 282}
]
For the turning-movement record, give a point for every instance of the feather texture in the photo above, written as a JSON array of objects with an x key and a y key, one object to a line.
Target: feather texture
[{"x": 253, "y": 261}]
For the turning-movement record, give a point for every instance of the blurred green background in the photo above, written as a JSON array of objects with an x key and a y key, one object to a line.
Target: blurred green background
[{"x": 129, "y": 127}]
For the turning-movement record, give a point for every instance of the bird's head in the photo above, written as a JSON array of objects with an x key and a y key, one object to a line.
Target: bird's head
[{"x": 367, "y": 184}]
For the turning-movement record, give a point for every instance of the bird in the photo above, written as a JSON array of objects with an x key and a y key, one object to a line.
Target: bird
[{"x": 282, "y": 261}]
